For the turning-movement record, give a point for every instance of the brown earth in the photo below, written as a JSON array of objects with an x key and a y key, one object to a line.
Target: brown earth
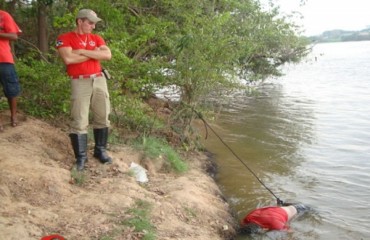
[{"x": 39, "y": 196}]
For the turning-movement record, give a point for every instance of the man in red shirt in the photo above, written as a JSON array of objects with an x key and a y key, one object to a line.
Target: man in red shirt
[
  {"x": 271, "y": 218},
  {"x": 82, "y": 51},
  {"x": 9, "y": 31}
]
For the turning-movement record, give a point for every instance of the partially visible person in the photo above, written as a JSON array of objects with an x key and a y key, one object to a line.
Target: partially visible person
[
  {"x": 53, "y": 237},
  {"x": 82, "y": 51},
  {"x": 9, "y": 31},
  {"x": 271, "y": 218}
]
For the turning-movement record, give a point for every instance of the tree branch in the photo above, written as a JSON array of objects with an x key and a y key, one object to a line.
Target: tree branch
[{"x": 34, "y": 46}]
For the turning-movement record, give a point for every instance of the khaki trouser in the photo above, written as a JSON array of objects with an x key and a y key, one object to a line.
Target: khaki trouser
[{"x": 89, "y": 93}]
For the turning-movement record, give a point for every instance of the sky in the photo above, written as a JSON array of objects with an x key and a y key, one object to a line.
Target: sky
[{"x": 323, "y": 15}]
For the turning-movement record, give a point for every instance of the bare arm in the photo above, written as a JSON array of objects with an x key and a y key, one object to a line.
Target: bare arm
[
  {"x": 10, "y": 36},
  {"x": 70, "y": 57},
  {"x": 100, "y": 53}
]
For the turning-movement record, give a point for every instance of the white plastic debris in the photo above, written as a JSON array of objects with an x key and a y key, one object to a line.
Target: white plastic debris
[{"x": 140, "y": 172}]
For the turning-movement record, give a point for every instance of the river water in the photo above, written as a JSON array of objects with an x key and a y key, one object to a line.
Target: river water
[{"x": 306, "y": 136}]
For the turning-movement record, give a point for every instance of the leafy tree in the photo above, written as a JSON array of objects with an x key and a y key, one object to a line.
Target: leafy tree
[{"x": 200, "y": 48}]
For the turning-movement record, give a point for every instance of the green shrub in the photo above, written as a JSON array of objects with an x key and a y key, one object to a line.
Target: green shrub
[
  {"x": 45, "y": 88},
  {"x": 130, "y": 113}
]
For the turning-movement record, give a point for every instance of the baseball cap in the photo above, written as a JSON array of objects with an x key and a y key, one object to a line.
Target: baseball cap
[{"x": 89, "y": 14}]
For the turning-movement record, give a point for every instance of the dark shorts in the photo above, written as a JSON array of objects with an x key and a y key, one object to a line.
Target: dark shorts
[
  {"x": 9, "y": 80},
  {"x": 301, "y": 208}
]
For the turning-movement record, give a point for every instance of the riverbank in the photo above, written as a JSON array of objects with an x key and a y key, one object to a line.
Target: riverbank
[{"x": 39, "y": 197}]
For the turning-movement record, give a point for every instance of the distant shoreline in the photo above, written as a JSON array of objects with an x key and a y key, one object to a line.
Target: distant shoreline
[{"x": 341, "y": 36}]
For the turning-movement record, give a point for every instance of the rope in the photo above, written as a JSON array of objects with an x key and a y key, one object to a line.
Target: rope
[{"x": 279, "y": 201}]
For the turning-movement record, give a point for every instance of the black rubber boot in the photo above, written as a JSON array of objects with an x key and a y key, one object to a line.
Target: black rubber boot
[
  {"x": 100, "y": 149},
  {"x": 79, "y": 144}
]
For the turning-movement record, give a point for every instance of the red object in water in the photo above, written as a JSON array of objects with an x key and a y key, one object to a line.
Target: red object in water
[{"x": 53, "y": 237}]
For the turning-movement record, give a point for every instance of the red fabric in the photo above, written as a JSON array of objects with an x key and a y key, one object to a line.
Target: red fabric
[
  {"x": 52, "y": 237},
  {"x": 271, "y": 218},
  {"x": 7, "y": 25},
  {"x": 77, "y": 41}
]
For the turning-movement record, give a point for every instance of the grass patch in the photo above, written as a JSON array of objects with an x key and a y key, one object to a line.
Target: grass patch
[
  {"x": 78, "y": 177},
  {"x": 136, "y": 222},
  {"x": 140, "y": 220},
  {"x": 155, "y": 147},
  {"x": 190, "y": 212},
  {"x": 106, "y": 238}
]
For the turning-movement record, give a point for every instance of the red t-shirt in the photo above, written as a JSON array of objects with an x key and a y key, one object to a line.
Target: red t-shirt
[
  {"x": 7, "y": 25},
  {"x": 81, "y": 41},
  {"x": 271, "y": 218}
]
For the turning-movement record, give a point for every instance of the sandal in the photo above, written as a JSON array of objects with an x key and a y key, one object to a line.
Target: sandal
[{"x": 13, "y": 122}]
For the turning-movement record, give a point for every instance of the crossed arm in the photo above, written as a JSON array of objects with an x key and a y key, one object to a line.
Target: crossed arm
[{"x": 71, "y": 56}]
